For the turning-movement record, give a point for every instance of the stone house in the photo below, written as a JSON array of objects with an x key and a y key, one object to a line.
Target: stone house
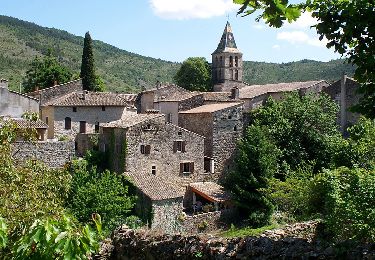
[
  {"x": 82, "y": 112},
  {"x": 221, "y": 124},
  {"x": 15, "y": 104},
  {"x": 344, "y": 93},
  {"x": 168, "y": 100}
]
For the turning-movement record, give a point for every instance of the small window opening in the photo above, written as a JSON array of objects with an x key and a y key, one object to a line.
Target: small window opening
[
  {"x": 229, "y": 117},
  {"x": 179, "y": 133},
  {"x": 153, "y": 169},
  {"x": 231, "y": 61},
  {"x": 68, "y": 123},
  {"x": 74, "y": 109},
  {"x": 97, "y": 127},
  {"x": 47, "y": 120},
  {"x": 235, "y": 128},
  {"x": 103, "y": 108},
  {"x": 145, "y": 149}
]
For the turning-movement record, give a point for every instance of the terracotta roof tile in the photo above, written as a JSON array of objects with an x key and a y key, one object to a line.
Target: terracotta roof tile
[
  {"x": 212, "y": 190},
  {"x": 131, "y": 119},
  {"x": 210, "y": 108},
  {"x": 154, "y": 187},
  {"x": 252, "y": 91},
  {"x": 90, "y": 99}
]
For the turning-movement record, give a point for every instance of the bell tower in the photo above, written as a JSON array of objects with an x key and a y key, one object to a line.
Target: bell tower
[{"x": 227, "y": 63}]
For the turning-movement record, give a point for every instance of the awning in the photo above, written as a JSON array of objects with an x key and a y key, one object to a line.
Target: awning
[{"x": 210, "y": 191}]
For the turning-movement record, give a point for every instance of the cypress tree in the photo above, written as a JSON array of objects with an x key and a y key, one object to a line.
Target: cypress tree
[{"x": 87, "y": 67}]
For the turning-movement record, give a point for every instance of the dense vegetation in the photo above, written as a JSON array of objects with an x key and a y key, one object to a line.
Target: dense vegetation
[
  {"x": 56, "y": 213},
  {"x": 293, "y": 159},
  {"x": 21, "y": 41}
]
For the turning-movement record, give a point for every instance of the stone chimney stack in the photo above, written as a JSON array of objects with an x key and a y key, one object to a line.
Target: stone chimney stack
[
  {"x": 3, "y": 83},
  {"x": 235, "y": 93}
]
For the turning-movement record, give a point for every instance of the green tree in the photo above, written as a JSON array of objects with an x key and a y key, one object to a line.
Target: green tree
[
  {"x": 304, "y": 129},
  {"x": 346, "y": 24},
  {"x": 194, "y": 74},
  {"x": 45, "y": 72},
  {"x": 255, "y": 164},
  {"x": 105, "y": 193},
  {"x": 90, "y": 80}
]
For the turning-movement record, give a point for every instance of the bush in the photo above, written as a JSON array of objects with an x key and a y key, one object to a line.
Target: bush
[{"x": 347, "y": 202}]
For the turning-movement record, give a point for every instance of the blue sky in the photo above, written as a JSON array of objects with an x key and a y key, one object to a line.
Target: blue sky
[{"x": 173, "y": 29}]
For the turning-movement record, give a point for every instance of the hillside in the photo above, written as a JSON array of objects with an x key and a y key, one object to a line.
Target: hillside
[{"x": 21, "y": 41}]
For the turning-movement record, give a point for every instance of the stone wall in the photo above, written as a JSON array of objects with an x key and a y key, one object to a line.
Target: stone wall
[
  {"x": 54, "y": 154},
  {"x": 166, "y": 215},
  {"x": 296, "y": 241},
  {"x": 189, "y": 103},
  {"x": 227, "y": 130},
  {"x": 90, "y": 114},
  {"x": 14, "y": 104},
  {"x": 85, "y": 142}
]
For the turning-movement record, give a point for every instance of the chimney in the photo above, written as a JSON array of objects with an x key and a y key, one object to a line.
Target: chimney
[
  {"x": 3, "y": 83},
  {"x": 235, "y": 93},
  {"x": 84, "y": 94}
]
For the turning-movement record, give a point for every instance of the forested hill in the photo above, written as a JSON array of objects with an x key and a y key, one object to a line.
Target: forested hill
[{"x": 21, "y": 41}]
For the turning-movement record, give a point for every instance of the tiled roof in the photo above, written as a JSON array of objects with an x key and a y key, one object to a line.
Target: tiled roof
[
  {"x": 227, "y": 42},
  {"x": 211, "y": 108},
  {"x": 212, "y": 190},
  {"x": 178, "y": 96},
  {"x": 170, "y": 92},
  {"x": 217, "y": 96},
  {"x": 130, "y": 98},
  {"x": 86, "y": 98},
  {"x": 23, "y": 123},
  {"x": 131, "y": 119},
  {"x": 154, "y": 187},
  {"x": 257, "y": 90}
]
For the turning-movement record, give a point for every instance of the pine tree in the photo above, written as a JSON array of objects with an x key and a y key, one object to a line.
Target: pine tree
[{"x": 87, "y": 67}]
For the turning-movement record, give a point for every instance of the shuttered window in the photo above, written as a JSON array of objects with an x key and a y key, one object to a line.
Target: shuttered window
[
  {"x": 179, "y": 146},
  {"x": 145, "y": 149},
  {"x": 187, "y": 168}
]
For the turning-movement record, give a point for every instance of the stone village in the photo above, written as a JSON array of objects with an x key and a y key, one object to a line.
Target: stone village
[{"x": 175, "y": 145}]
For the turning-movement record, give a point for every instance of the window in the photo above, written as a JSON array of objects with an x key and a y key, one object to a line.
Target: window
[
  {"x": 231, "y": 61},
  {"x": 169, "y": 118},
  {"x": 187, "y": 167},
  {"x": 74, "y": 109},
  {"x": 97, "y": 127},
  {"x": 145, "y": 149},
  {"x": 47, "y": 120},
  {"x": 153, "y": 169},
  {"x": 179, "y": 146},
  {"x": 103, "y": 108},
  {"x": 235, "y": 128},
  {"x": 82, "y": 126},
  {"x": 221, "y": 61},
  {"x": 236, "y": 75},
  {"x": 236, "y": 61},
  {"x": 68, "y": 123},
  {"x": 229, "y": 117},
  {"x": 179, "y": 133}
]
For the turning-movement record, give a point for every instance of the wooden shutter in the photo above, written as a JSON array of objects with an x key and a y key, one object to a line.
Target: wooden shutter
[
  {"x": 181, "y": 167},
  {"x": 183, "y": 146},
  {"x": 192, "y": 167},
  {"x": 175, "y": 146},
  {"x": 148, "y": 149}
]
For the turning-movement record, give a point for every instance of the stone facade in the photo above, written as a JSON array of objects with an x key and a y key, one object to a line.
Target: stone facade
[
  {"x": 167, "y": 215},
  {"x": 14, "y": 104},
  {"x": 221, "y": 125},
  {"x": 54, "y": 154}
]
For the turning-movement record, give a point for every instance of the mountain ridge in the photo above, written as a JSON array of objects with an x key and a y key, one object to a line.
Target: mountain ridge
[{"x": 125, "y": 71}]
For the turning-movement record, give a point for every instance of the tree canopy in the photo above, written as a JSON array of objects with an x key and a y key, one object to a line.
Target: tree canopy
[
  {"x": 348, "y": 25},
  {"x": 194, "y": 74},
  {"x": 45, "y": 72}
]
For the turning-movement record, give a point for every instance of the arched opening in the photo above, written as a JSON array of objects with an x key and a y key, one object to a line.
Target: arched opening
[
  {"x": 68, "y": 123},
  {"x": 231, "y": 61},
  {"x": 236, "y": 75},
  {"x": 236, "y": 61}
]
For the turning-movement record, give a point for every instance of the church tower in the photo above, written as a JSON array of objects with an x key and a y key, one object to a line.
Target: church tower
[{"x": 227, "y": 63}]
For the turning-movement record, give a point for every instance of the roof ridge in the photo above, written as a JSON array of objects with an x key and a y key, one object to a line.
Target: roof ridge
[{"x": 55, "y": 86}]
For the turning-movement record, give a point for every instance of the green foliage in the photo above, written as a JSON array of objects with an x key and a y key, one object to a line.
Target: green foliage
[
  {"x": 104, "y": 193},
  {"x": 346, "y": 24},
  {"x": 247, "y": 231},
  {"x": 255, "y": 163},
  {"x": 303, "y": 128},
  {"x": 347, "y": 198},
  {"x": 43, "y": 73},
  {"x": 57, "y": 239},
  {"x": 87, "y": 66},
  {"x": 194, "y": 74},
  {"x": 3, "y": 233}
]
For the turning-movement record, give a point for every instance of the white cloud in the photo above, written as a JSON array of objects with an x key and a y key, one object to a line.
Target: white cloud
[
  {"x": 276, "y": 47},
  {"x": 304, "y": 21},
  {"x": 300, "y": 37},
  {"x": 190, "y": 9}
]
